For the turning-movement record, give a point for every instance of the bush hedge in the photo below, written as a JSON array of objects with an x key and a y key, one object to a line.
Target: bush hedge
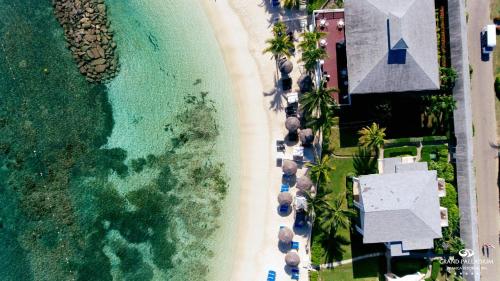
[
  {"x": 444, "y": 170},
  {"x": 400, "y": 151},
  {"x": 441, "y": 152},
  {"x": 313, "y": 275},
  {"x": 426, "y": 139},
  {"x": 436, "y": 267}
]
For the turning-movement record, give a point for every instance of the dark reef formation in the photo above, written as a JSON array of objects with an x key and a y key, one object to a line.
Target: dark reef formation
[{"x": 90, "y": 38}]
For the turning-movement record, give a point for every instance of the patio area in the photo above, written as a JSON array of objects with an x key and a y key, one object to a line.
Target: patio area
[{"x": 333, "y": 70}]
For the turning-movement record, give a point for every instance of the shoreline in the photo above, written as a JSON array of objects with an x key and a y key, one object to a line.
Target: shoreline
[
  {"x": 241, "y": 29},
  {"x": 254, "y": 126}
]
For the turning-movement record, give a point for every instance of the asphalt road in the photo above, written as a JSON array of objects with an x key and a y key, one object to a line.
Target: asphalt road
[{"x": 485, "y": 154}]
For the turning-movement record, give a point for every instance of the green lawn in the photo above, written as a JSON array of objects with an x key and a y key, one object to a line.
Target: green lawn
[
  {"x": 400, "y": 151},
  {"x": 365, "y": 270},
  {"x": 345, "y": 245}
]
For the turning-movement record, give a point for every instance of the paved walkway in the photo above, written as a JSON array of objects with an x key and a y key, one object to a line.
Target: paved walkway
[
  {"x": 463, "y": 131},
  {"x": 339, "y": 263},
  {"x": 485, "y": 154}
]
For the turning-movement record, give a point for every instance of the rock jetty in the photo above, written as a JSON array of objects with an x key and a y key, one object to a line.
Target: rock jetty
[{"x": 89, "y": 37}]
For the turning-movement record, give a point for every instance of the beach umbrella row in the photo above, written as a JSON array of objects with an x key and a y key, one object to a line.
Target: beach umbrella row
[
  {"x": 285, "y": 198},
  {"x": 306, "y": 137},
  {"x": 304, "y": 183},
  {"x": 289, "y": 167},
  {"x": 285, "y": 235},
  {"x": 292, "y": 124},
  {"x": 292, "y": 259}
]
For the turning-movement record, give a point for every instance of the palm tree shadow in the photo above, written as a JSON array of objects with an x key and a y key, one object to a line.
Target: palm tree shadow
[
  {"x": 333, "y": 246},
  {"x": 277, "y": 103},
  {"x": 364, "y": 162}
]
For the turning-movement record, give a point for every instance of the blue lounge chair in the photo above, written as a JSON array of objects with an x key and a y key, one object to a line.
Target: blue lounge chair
[
  {"x": 295, "y": 245},
  {"x": 275, "y": 3},
  {"x": 271, "y": 275},
  {"x": 283, "y": 208},
  {"x": 285, "y": 188},
  {"x": 295, "y": 273}
]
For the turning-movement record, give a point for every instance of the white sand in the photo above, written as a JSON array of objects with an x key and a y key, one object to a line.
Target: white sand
[{"x": 241, "y": 28}]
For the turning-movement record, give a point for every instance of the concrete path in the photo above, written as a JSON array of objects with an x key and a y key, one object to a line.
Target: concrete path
[
  {"x": 485, "y": 155},
  {"x": 342, "y": 262}
]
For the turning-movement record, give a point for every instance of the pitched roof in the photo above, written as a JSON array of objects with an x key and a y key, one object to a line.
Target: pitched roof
[
  {"x": 391, "y": 46},
  {"x": 401, "y": 207}
]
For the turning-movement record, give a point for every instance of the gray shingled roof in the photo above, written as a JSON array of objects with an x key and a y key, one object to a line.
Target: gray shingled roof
[
  {"x": 391, "y": 46},
  {"x": 401, "y": 207}
]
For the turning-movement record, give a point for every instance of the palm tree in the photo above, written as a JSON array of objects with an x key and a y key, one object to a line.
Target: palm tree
[
  {"x": 439, "y": 110},
  {"x": 364, "y": 163},
  {"x": 448, "y": 76},
  {"x": 289, "y": 4},
  {"x": 372, "y": 137},
  {"x": 311, "y": 56},
  {"x": 335, "y": 215},
  {"x": 311, "y": 39},
  {"x": 317, "y": 102},
  {"x": 323, "y": 123},
  {"x": 279, "y": 29},
  {"x": 279, "y": 46},
  {"x": 315, "y": 204},
  {"x": 320, "y": 172}
]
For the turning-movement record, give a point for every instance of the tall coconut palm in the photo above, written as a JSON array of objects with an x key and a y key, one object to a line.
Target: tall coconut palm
[
  {"x": 279, "y": 29},
  {"x": 320, "y": 171},
  {"x": 279, "y": 46},
  {"x": 335, "y": 215},
  {"x": 372, "y": 137},
  {"x": 323, "y": 123},
  {"x": 317, "y": 102},
  {"x": 311, "y": 39},
  {"x": 315, "y": 204},
  {"x": 311, "y": 56},
  {"x": 439, "y": 110}
]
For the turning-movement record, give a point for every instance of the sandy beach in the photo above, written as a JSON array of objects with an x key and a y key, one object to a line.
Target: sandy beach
[{"x": 241, "y": 28}]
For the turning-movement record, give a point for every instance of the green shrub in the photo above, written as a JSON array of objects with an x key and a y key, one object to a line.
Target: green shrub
[
  {"x": 400, "y": 151},
  {"x": 440, "y": 152},
  {"x": 444, "y": 170},
  {"x": 313, "y": 275},
  {"x": 436, "y": 267}
]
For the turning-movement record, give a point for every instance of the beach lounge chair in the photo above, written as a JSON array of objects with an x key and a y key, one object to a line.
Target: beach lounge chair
[
  {"x": 295, "y": 273},
  {"x": 285, "y": 188},
  {"x": 283, "y": 208},
  {"x": 275, "y": 3},
  {"x": 271, "y": 275},
  {"x": 295, "y": 245}
]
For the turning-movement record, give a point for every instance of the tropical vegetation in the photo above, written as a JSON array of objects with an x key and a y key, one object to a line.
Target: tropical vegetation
[
  {"x": 372, "y": 137},
  {"x": 438, "y": 112},
  {"x": 335, "y": 215},
  {"x": 280, "y": 45},
  {"x": 289, "y": 4},
  {"x": 320, "y": 172},
  {"x": 448, "y": 76},
  {"x": 311, "y": 53},
  {"x": 317, "y": 102}
]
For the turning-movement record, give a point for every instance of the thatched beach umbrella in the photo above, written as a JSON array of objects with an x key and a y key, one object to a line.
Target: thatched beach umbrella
[
  {"x": 285, "y": 235},
  {"x": 285, "y": 198},
  {"x": 304, "y": 183},
  {"x": 286, "y": 66},
  {"x": 292, "y": 124},
  {"x": 306, "y": 137},
  {"x": 289, "y": 167},
  {"x": 305, "y": 83},
  {"x": 292, "y": 259}
]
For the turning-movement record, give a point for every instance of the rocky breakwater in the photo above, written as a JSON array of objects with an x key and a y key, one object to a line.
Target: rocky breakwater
[{"x": 89, "y": 36}]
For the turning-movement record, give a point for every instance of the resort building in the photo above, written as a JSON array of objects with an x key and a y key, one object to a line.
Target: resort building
[
  {"x": 400, "y": 206},
  {"x": 378, "y": 46},
  {"x": 391, "y": 46}
]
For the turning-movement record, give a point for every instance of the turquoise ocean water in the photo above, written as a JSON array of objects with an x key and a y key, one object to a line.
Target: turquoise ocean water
[{"x": 133, "y": 180}]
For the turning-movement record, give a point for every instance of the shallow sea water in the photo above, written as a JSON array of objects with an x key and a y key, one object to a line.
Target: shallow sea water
[{"x": 130, "y": 181}]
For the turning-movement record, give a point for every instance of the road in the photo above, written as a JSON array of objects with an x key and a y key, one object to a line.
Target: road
[{"x": 484, "y": 126}]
